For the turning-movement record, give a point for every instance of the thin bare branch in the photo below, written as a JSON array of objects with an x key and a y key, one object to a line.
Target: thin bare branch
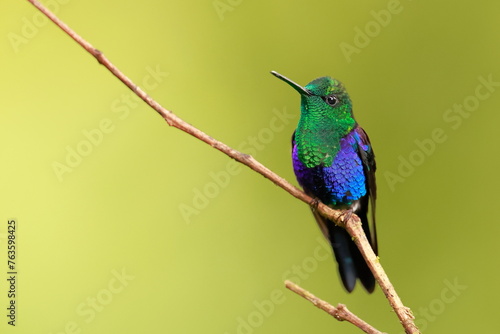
[
  {"x": 340, "y": 312},
  {"x": 352, "y": 226}
]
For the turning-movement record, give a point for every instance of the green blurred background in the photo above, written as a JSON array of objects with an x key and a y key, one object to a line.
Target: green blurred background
[{"x": 126, "y": 225}]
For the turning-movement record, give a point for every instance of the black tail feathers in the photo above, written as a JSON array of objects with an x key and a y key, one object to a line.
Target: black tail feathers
[{"x": 350, "y": 261}]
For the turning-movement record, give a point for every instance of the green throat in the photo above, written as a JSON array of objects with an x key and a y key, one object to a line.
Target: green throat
[{"x": 319, "y": 133}]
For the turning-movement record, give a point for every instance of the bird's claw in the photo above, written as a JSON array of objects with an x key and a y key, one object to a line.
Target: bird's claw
[
  {"x": 345, "y": 216},
  {"x": 314, "y": 203}
]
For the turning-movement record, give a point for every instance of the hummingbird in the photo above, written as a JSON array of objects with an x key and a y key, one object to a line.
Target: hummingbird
[{"x": 333, "y": 161}]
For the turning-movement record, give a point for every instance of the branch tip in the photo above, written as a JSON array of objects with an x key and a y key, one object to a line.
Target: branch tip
[{"x": 341, "y": 312}]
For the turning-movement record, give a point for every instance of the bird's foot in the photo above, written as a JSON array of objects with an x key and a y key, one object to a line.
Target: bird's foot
[
  {"x": 314, "y": 203},
  {"x": 345, "y": 216}
]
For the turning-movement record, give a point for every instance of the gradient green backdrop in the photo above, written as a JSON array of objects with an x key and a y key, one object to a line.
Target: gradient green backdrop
[{"x": 148, "y": 230}]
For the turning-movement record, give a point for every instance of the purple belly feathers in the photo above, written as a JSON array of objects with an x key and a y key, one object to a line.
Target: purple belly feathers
[{"x": 341, "y": 183}]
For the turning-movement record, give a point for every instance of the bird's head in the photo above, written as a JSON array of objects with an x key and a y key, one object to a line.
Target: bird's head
[{"x": 324, "y": 97}]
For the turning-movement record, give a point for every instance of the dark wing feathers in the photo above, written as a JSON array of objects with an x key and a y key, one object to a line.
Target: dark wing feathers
[{"x": 368, "y": 158}]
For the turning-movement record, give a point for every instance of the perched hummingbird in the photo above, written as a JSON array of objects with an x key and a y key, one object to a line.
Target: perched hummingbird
[{"x": 334, "y": 162}]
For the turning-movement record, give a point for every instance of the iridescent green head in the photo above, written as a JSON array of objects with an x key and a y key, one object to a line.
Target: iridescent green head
[{"x": 326, "y": 116}]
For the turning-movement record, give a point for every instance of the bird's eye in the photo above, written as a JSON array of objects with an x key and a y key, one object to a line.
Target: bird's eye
[{"x": 331, "y": 100}]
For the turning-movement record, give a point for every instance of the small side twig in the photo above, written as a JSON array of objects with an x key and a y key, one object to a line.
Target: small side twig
[
  {"x": 352, "y": 225},
  {"x": 339, "y": 312}
]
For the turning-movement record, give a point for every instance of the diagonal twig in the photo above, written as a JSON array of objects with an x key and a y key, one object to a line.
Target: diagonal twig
[
  {"x": 353, "y": 225},
  {"x": 339, "y": 312}
]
